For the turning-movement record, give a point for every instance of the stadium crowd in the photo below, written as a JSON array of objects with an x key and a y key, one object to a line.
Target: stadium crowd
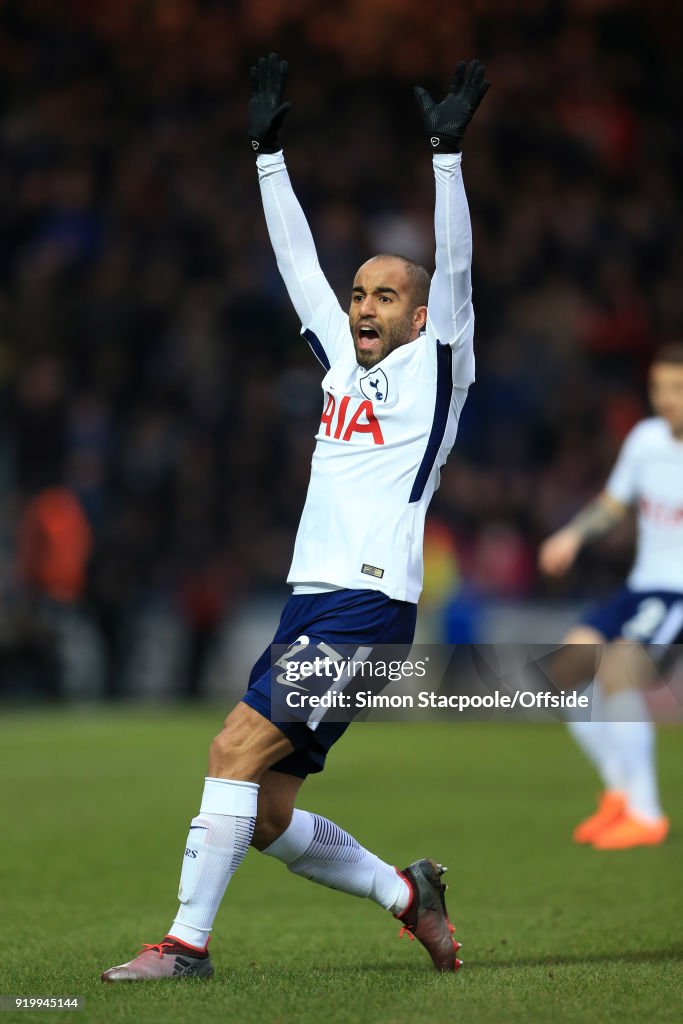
[{"x": 150, "y": 365}]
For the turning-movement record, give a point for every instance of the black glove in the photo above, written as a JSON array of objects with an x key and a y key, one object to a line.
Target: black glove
[
  {"x": 445, "y": 122},
  {"x": 266, "y": 109}
]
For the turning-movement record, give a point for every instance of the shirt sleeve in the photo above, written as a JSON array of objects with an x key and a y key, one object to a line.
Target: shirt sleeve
[
  {"x": 450, "y": 315},
  {"x": 324, "y": 323},
  {"x": 623, "y": 480}
]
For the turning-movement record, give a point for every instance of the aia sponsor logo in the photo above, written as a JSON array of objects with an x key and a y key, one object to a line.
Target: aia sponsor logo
[
  {"x": 662, "y": 515},
  {"x": 346, "y": 417}
]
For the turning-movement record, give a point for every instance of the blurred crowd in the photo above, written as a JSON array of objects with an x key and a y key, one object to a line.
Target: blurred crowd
[{"x": 157, "y": 405}]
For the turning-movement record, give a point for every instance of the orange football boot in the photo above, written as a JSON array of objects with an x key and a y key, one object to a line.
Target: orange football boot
[
  {"x": 630, "y": 831},
  {"x": 611, "y": 807}
]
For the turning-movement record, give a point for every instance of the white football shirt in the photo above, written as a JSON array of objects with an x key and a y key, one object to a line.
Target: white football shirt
[
  {"x": 385, "y": 432},
  {"x": 649, "y": 473}
]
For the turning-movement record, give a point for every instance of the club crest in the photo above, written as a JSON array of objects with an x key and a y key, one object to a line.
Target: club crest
[{"x": 375, "y": 386}]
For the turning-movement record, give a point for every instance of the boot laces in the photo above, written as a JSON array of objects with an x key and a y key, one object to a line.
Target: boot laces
[{"x": 160, "y": 946}]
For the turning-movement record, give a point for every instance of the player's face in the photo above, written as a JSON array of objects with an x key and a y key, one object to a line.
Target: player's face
[
  {"x": 666, "y": 394},
  {"x": 382, "y": 314}
]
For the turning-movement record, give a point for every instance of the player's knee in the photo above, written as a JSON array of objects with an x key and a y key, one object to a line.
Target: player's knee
[
  {"x": 584, "y": 635},
  {"x": 231, "y": 758},
  {"x": 246, "y": 746}
]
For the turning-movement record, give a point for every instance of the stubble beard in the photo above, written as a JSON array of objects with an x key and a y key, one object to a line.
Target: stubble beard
[{"x": 393, "y": 335}]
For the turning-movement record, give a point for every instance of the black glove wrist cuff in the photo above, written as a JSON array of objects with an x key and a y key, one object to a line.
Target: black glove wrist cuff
[
  {"x": 445, "y": 144},
  {"x": 264, "y": 147}
]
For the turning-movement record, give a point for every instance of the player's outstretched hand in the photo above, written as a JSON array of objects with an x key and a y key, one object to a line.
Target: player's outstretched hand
[
  {"x": 266, "y": 109},
  {"x": 558, "y": 552},
  {"x": 445, "y": 122}
]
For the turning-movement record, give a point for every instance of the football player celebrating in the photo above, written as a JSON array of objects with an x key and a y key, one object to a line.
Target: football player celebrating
[
  {"x": 621, "y": 742},
  {"x": 397, "y": 368}
]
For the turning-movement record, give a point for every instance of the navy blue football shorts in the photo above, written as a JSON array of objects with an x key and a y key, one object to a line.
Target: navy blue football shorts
[
  {"x": 645, "y": 616},
  {"x": 340, "y": 619}
]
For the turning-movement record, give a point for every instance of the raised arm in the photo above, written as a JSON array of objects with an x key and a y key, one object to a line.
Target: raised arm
[
  {"x": 449, "y": 308},
  {"x": 292, "y": 240},
  {"x": 450, "y": 314},
  {"x": 288, "y": 228}
]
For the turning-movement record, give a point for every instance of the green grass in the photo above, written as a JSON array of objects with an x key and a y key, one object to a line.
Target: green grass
[{"x": 95, "y": 813}]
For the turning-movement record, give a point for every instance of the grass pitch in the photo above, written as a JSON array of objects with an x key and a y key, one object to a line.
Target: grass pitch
[{"x": 96, "y": 806}]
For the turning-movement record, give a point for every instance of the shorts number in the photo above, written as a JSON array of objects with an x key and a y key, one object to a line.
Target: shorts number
[
  {"x": 301, "y": 643},
  {"x": 648, "y": 618}
]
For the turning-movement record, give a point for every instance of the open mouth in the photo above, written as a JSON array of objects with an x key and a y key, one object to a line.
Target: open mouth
[{"x": 367, "y": 336}]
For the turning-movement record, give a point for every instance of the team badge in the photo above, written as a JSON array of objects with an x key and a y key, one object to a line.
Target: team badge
[{"x": 375, "y": 386}]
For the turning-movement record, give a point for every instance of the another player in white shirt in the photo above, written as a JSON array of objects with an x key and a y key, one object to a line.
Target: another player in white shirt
[
  {"x": 394, "y": 386},
  {"x": 649, "y": 475}
]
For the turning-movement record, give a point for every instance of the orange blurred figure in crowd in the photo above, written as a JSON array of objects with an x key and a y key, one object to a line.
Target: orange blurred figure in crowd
[{"x": 55, "y": 541}]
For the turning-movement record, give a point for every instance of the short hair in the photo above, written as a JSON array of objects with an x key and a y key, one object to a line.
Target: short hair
[
  {"x": 420, "y": 281},
  {"x": 672, "y": 354}
]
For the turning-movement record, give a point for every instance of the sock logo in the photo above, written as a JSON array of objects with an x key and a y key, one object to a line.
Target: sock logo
[{"x": 192, "y": 854}]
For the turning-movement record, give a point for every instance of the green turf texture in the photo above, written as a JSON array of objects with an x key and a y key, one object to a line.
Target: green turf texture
[{"x": 96, "y": 806}]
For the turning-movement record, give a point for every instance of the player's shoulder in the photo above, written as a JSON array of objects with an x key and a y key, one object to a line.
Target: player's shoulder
[
  {"x": 423, "y": 361},
  {"x": 652, "y": 430}
]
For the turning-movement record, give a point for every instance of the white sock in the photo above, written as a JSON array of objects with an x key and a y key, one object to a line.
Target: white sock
[
  {"x": 630, "y": 735},
  {"x": 319, "y": 850},
  {"x": 592, "y": 738},
  {"x": 218, "y": 840}
]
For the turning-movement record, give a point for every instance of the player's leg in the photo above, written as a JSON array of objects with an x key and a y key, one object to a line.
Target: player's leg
[
  {"x": 278, "y": 792},
  {"x": 319, "y": 850},
  {"x": 650, "y": 618},
  {"x": 221, "y": 834},
  {"x": 591, "y": 737},
  {"x": 620, "y": 741},
  {"x": 630, "y": 738},
  {"x": 217, "y": 842}
]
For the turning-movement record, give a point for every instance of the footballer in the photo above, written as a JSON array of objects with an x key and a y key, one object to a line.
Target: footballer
[
  {"x": 397, "y": 366},
  {"x": 648, "y": 474}
]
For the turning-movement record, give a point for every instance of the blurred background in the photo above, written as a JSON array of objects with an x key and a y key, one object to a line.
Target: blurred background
[{"x": 157, "y": 407}]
